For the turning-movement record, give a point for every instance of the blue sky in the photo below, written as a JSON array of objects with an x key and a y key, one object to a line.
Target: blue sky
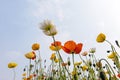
[{"x": 79, "y": 20}]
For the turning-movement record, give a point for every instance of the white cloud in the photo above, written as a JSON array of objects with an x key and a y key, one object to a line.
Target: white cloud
[{"x": 47, "y": 8}]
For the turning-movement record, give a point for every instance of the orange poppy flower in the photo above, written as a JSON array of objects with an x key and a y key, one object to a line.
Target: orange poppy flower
[
  {"x": 35, "y": 46},
  {"x": 71, "y": 47},
  {"x": 56, "y": 43}
]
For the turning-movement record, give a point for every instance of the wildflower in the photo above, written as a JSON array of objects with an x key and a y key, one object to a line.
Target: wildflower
[
  {"x": 12, "y": 65},
  {"x": 106, "y": 72},
  {"x": 99, "y": 64},
  {"x": 31, "y": 76},
  {"x": 74, "y": 72},
  {"x": 112, "y": 55},
  {"x": 35, "y": 46},
  {"x": 101, "y": 38},
  {"x": 48, "y": 28},
  {"x": 84, "y": 67},
  {"x": 92, "y": 50},
  {"x": 24, "y": 74},
  {"x": 78, "y": 63},
  {"x": 64, "y": 64},
  {"x": 24, "y": 78},
  {"x": 30, "y": 55},
  {"x": 55, "y": 46},
  {"x": 71, "y": 47},
  {"x": 84, "y": 53},
  {"x": 56, "y": 60},
  {"x": 28, "y": 78},
  {"x": 53, "y": 56}
]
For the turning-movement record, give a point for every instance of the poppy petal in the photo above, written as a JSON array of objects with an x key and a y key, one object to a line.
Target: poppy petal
[
  {"x": 78, "y": 48},
  {"x": 71, "y": 45},
  {"x": 66, "y": 50},
  {"x": 56, "y": 43}
]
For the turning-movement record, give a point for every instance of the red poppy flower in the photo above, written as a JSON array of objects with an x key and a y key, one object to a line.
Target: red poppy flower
[{"x": 71, "y": 47}]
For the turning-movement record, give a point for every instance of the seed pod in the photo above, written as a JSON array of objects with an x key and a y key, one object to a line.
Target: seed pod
[{"x": 102, "y": 76}]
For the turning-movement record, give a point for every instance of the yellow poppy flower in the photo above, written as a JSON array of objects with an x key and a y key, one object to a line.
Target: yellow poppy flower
[
  {"x": 30, "y": 55},
  {"x": 112, "y": 55},
  {"x": 53, "y": 56},
  {"x": 101, "y": 38},
  {"x": 74, "y": 72},
  {"x": 24, "y": 74},
  {"x": 12, "y": 65},
  {"x": 77, "y": 63},
  {"x": 35, "y": 46},
  {"x": 24, "y": 78},
  {"x": 53, "y": 48},
  {"x": 56, "y": 60},
  {"x": 84, "y": 67},
  {"x": 106, "y": 72}
]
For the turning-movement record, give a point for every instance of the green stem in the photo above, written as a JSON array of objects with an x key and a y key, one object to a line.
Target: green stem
[
  {"x": 53, "y": 68},
  {"x": 90, "y": 69},
  {"x": 113, "y": 49},
  {"x": 40, "y": 59},
  {"x": 73, "y": 59},
  {"x": 61, "y": 59},
  {"x": 83, "y": 60},
  {"x": 109, "y": 72},
  {"x": 75, "y": 76},
  {"x": 35, "y": 69},
  {"x": 116, "y": 56},
  {"x": 14, "y": 74},
  {"x": 40, "y": 63},
  {"x": 108, "y": 64},
  {"x": 26, "y": 67},
  {"x": 29, "y": 67}
]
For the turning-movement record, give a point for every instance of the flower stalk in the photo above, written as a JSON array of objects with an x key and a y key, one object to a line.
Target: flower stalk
[
  {"x": 108, "y": 65},
  {"x": 61, "y": 60}
]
